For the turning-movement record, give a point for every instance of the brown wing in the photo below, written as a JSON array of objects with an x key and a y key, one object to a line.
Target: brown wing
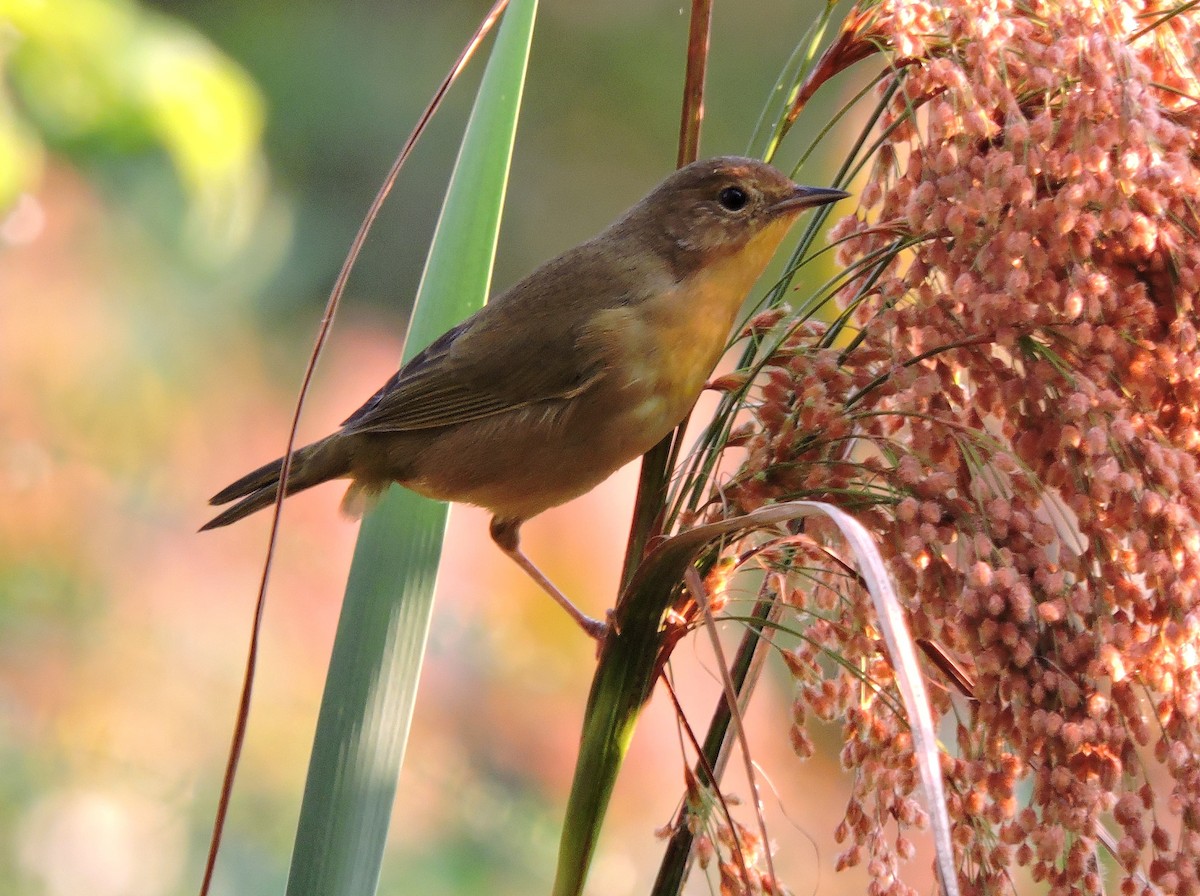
[{"x": 521, "y": 350}]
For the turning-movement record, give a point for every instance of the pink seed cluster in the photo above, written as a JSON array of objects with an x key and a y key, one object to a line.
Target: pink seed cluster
[{"x": 1017, "y": 422}]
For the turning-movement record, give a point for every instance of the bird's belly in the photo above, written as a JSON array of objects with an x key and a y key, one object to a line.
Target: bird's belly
[
  {"x": 667, "y": 354},
  {"x": 521, "y": 463},
  {"x": 517, "y": 465}
]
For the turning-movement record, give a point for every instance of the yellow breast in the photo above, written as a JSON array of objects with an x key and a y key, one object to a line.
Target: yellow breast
[{"x": 663, "y": 349}]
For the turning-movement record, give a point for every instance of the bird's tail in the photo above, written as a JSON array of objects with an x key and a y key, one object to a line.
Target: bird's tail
[{"x": 311, "y": 465}]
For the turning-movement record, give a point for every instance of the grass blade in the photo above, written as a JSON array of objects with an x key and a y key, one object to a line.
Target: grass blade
[
  {"x": 632, "y": 659},
  {"x": 909, "y": 680},
  {"x": 369, "y": 694}
]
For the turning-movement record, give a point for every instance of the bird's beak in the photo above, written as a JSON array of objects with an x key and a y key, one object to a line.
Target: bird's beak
[{"x": 807, "y": 197}]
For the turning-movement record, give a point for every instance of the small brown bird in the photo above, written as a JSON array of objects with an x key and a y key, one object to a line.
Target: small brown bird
[{"x": 573, "y": 372}]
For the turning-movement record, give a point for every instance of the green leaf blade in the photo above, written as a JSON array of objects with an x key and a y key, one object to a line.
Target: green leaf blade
[{"x": 371, "y": 688}]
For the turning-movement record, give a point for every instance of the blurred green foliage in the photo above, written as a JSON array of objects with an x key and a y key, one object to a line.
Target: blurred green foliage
[{"x": 101, "y": 81}]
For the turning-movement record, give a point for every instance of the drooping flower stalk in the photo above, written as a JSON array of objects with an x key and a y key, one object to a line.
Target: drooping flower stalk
[{"x": 1011, "y": 401}]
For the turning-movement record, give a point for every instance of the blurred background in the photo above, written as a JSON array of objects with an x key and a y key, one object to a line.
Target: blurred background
[{"x": 179, "y": 183}]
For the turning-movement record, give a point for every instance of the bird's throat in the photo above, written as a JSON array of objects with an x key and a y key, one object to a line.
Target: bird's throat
[{"x": 671, "y": 342}]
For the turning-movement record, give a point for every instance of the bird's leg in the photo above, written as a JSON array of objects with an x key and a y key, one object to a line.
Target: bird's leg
[{"x": 506, "y": 534}]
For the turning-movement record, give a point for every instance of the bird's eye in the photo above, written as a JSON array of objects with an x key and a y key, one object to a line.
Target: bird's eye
[{"x": 733, "y": 199}]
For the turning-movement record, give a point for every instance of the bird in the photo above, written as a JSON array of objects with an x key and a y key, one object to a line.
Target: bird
[{"x": 565, "y": 377}]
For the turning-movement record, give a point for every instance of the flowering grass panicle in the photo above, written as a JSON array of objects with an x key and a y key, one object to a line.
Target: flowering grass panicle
[{"x": 1016, "y": 417}]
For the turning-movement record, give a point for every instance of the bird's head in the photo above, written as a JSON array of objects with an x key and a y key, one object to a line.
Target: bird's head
[{"x": 718, "y": 207}]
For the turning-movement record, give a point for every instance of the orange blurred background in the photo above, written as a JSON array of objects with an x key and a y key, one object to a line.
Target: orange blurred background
[{"x": 181, "y": 191}]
